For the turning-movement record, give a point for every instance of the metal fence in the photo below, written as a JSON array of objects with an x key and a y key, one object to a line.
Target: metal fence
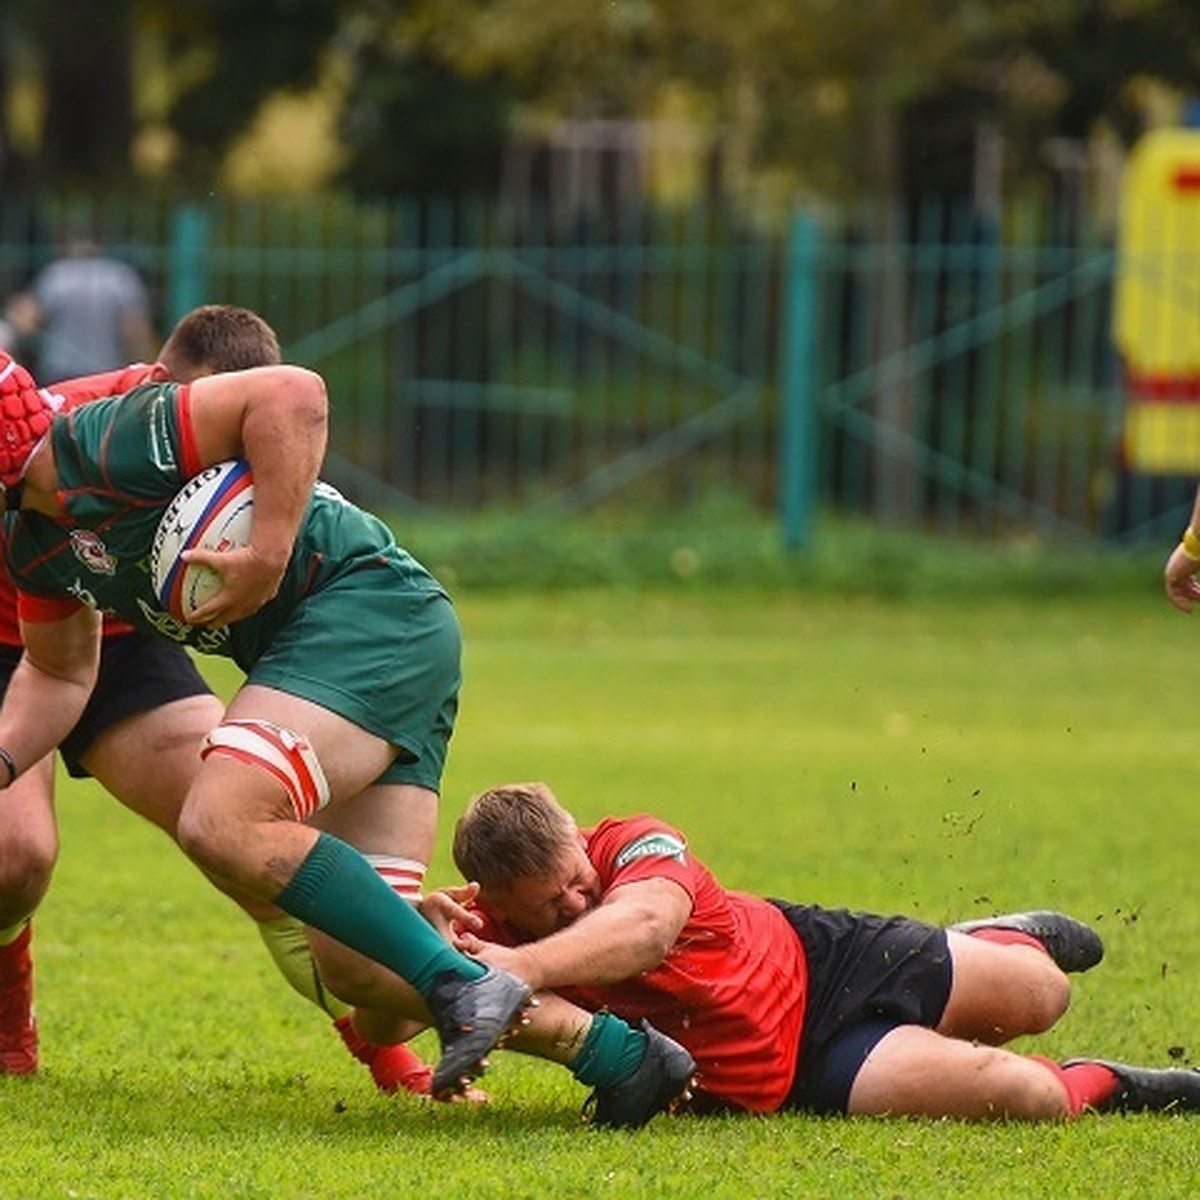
[{"x": 920, "y": 367}]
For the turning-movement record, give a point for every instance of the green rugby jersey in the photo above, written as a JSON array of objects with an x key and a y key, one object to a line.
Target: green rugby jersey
[{"x": 120, "y": 462}]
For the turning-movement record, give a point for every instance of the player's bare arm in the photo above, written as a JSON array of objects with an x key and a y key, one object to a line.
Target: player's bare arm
[
  {"x": 50, "y": 687},
  {"x": 276, "y": 418},
  {"x": 631, "y": 931},
  {"x": 1179, "y": 575}
]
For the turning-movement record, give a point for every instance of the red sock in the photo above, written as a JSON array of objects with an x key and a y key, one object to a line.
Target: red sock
[
  {"x": 1087, "y": 1084},
  {"x": 15, "y": 960},
  {"x": 392, "y": 1067},
  {"x": 1008, "y": 937}
]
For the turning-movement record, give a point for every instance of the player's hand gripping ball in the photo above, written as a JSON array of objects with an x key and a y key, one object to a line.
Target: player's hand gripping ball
[{"x": 212, "y": 510}]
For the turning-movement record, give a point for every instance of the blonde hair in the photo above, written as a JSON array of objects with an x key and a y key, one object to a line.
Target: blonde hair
[{"x": 510, "y": 832}]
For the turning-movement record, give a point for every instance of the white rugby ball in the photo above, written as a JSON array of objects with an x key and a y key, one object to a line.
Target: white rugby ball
[{"x": 212, "y": 510}]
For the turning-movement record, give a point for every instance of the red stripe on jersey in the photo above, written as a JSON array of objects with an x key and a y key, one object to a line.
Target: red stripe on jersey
[
  {"x": 109, "y": 383},
  {"x": 46, "y": 608},
  {"x": 191, "y": 464}
]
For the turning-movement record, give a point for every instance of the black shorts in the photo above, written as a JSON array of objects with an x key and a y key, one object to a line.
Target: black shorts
[
  {"x": 137, "y": 673},
  {"x": 867, "y": 975}
]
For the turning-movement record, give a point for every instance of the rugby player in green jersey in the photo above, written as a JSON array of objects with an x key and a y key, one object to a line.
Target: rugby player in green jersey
[
  {"x": 327, "y": 765},
  {"x": 139, "y": 737}
]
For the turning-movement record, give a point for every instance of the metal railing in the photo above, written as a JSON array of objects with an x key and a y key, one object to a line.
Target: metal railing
[{"x": 928, "y": 371}]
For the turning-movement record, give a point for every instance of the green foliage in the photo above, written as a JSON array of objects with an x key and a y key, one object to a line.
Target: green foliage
[
  {"x": 832, "y": 94},
  {"x": 454, "y": 125},
  {"x": 942, "y": 756},
  {"x": 248, "y": 51},
  {"x": 720, "y": 542}
]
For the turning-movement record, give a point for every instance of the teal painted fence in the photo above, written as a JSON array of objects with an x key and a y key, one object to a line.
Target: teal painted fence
[{"x": 919, "y": 367}]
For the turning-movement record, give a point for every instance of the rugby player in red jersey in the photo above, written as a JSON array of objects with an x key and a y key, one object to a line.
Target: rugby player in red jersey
[{"x": 785, "y": 1006}]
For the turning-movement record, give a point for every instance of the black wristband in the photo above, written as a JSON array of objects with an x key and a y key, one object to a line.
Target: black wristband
[{"x": 11, "y": 763}]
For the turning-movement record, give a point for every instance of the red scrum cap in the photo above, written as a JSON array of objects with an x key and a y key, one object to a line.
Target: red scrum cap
[{"x": 25, "y": 414}]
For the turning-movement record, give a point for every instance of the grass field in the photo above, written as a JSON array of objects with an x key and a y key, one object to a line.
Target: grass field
[{"x": 943, "y": 759}]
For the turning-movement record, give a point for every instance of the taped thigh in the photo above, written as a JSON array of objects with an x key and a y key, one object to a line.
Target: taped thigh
[{"x": 285, "y": 755}]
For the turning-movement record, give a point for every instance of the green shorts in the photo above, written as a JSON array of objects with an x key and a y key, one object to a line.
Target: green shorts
[{"x": 381, "y": 653}]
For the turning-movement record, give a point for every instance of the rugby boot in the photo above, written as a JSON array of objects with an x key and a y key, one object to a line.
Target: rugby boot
[
  {"x": 18, "y": 1029},
  {"x": 1148, "y": 1089},
  {"x": 472, "y": 1017},
  {"x": 1073, "y": 945},
  {"x": 662, "y": 1077}
]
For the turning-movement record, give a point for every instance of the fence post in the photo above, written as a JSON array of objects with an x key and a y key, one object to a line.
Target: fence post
[
  {"x": 798, "y": 431},
  {"x": 188, "y": 283}
]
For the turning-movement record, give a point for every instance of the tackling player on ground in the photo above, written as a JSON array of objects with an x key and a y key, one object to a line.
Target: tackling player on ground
[{"x": 787, "y": 1006}]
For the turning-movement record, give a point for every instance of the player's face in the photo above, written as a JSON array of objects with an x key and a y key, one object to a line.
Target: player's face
[{"x": 542, "y": 904}]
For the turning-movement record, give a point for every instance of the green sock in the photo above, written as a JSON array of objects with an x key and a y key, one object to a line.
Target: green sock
[
  {"x": 338, "y": 892},
  {"x": 610, "y": 1053}
]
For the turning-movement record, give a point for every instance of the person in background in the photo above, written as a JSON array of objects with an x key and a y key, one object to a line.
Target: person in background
[
  {"x": 83, "y": 313},
  {"x": 785, "y": 1006}
]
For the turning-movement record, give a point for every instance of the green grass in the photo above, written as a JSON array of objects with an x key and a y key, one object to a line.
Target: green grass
[{"x": 944, "y": 757}]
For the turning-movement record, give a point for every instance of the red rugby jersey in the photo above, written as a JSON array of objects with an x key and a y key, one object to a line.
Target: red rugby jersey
[
  {"x": 74, "y": 392},
  {"x": 733, "y": 987}
]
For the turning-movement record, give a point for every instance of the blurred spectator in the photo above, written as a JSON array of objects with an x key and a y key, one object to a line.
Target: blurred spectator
[{"x": 85, "y": 312}]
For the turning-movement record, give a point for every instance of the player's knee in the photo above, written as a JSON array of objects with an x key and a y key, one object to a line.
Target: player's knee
[
  {"x": 26, "y": 867},
  {"x": 201, "y": 833},
  {"x": 1047, "y": 996},
  {"x": 253, "y": 773}
]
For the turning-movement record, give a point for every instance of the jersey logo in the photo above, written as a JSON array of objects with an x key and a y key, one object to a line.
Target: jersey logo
[
  {"x": 653, "y": 845},
  {"x": 82, "y": 594},
  {"x": 208, "y": 639},
  {"x": 162, "y": 451},
  {"x": 92, "y": 552}
]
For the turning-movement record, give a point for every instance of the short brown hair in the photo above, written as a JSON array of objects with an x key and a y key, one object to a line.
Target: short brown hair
[
  {"x": 219, "y": 337},
  {"x": 511, "y": 832}
]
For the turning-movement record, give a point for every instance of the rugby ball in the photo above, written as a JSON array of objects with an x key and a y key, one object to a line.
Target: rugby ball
[{"x": 212, "y": 510}]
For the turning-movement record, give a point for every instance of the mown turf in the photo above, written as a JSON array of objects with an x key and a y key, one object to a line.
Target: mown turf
[{"x": 935, "y": 757}]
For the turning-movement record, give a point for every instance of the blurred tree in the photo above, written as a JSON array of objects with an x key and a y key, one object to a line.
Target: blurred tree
[
  {"x": 839, "y": 98},
  {"x": 1095, "y": 51},
  {"x": 854, "y": 98},
  {"x": 233, "y": 55},
  {"x": 411, "y": 123},
  {"x": 85, "y": 54},
  {"x": 408, "y": 121}
]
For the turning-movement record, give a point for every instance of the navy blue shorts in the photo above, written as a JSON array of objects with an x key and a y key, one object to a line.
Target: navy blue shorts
[
  {"x": 867, "y": 975},
  {"x": 137, "y": 673}
]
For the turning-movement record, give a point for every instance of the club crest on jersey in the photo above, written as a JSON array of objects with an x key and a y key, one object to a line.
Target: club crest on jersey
[
  {"x": 92, "y": 552},
  {"x": 653, "y": 845}
]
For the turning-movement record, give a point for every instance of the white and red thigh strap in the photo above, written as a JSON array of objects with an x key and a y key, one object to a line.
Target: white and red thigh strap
[
  {"x": 405, "y": 876},
  {"x": 284, "y": 754}
]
